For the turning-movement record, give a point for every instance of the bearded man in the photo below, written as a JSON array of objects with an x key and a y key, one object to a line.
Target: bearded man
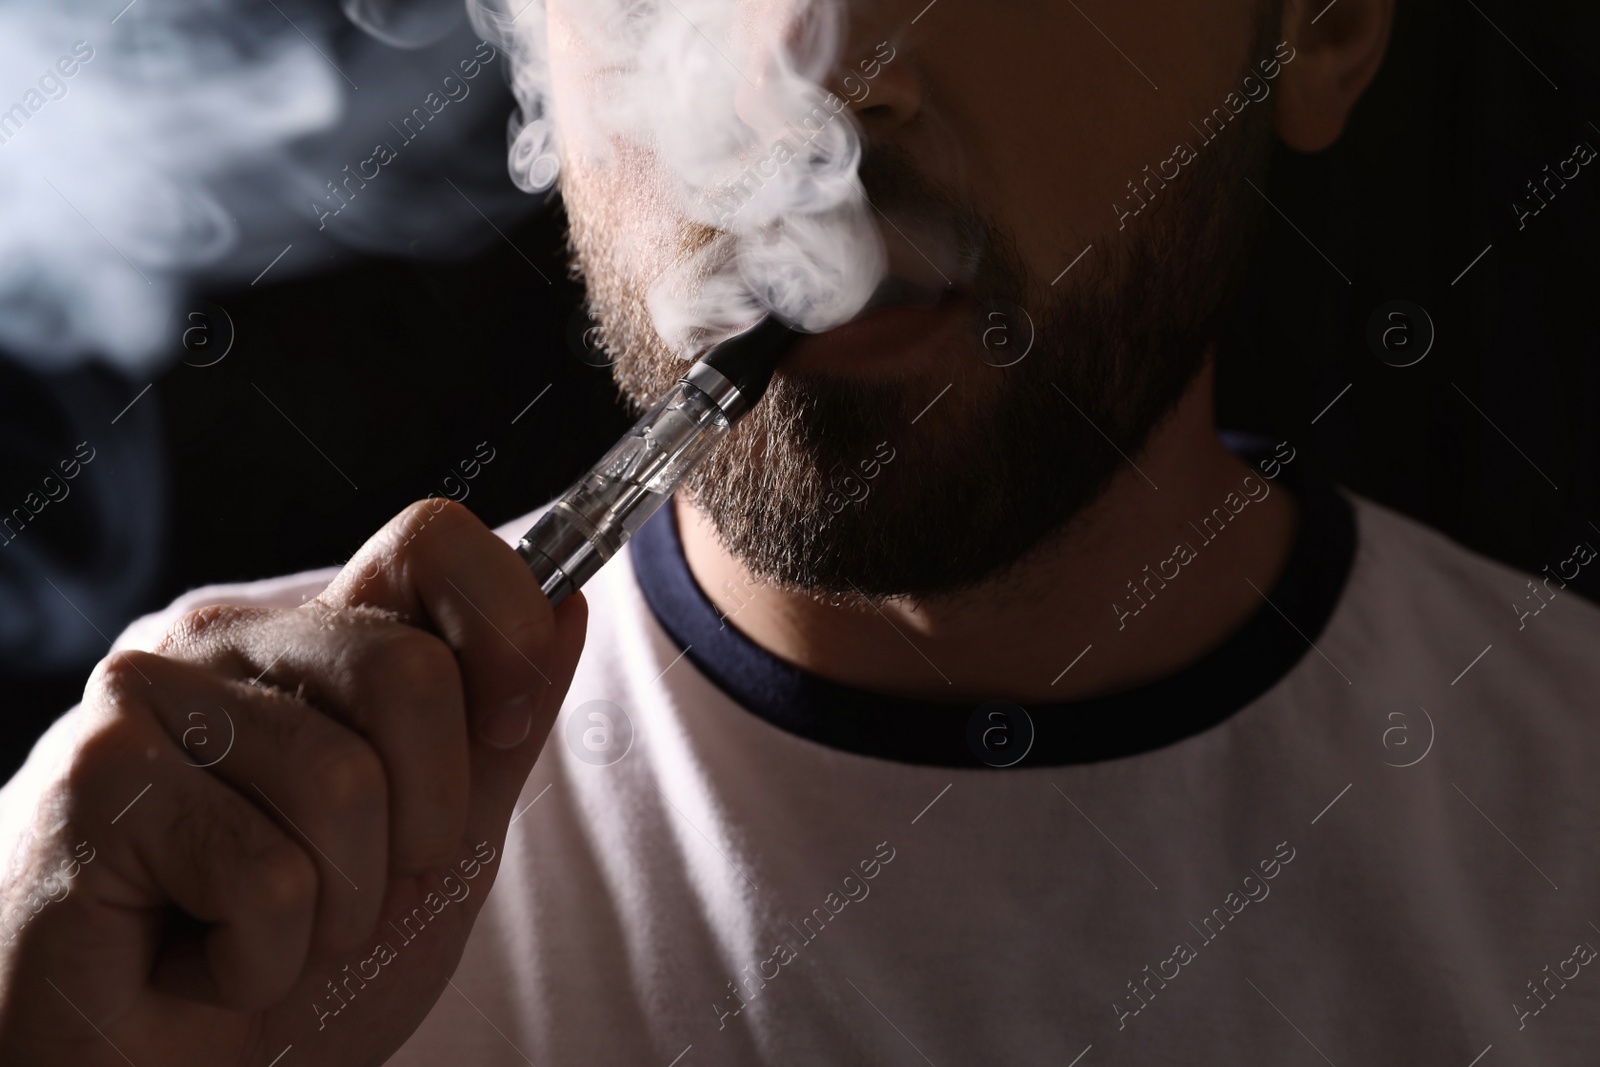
[{"x": 980, "y": 700}]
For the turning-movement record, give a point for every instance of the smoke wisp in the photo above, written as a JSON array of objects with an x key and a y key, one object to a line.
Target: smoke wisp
[
  {"x": 731, "y": 105},
  {"x": 146, "y": 148}
]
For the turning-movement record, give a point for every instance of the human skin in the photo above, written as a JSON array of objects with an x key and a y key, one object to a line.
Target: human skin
[
  {"x": 367, "y": 721},
  {"x": 372, "y": 728},
  {"x": 1046, "y": 121}
]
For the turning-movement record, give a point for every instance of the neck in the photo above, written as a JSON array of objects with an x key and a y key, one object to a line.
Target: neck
[{"x": 1014, "y": 638}]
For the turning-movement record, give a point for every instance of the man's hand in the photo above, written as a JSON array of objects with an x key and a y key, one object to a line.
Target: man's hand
[{"x": 278, "y": 828}]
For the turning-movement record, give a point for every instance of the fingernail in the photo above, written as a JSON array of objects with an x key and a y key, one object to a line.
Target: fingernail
[{"x": 508, "y": 727}]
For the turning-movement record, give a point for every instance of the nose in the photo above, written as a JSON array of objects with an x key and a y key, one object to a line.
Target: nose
[{"x": 880, "y": 86}]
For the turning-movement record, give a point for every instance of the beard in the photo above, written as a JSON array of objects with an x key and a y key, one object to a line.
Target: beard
[{"x": 1008, "y": 457}]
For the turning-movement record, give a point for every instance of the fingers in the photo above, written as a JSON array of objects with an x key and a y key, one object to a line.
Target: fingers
[
  {"x": 166, "y": 831},
  {"x": 394, "y": 685},
  {"x": 438, "y": 565},
  {"x": 496, "y": 661},
  {"x": 321, "y": 782}
]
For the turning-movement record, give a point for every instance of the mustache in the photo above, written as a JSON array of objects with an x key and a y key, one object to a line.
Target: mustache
[
  {"x": 907, "y": 197},
  {"x": 892, "y": 176},
  {"x": 980, "y": 255}
]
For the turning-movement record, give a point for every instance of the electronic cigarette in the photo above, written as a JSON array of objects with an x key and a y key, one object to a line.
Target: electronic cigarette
[{"x": 590, "y": 522}]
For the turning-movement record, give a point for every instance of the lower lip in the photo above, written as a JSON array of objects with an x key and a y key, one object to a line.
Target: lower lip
[{"x": 884, "y": 339}]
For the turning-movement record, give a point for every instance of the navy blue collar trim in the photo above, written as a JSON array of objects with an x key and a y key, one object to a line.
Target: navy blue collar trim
[{"x": 936, "y": 733}]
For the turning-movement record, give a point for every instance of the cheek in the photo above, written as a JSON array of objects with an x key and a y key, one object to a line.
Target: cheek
[
  {"x": 623, "y": 214},
  {"x": 1051, "y": 145},
  {"x": 578, "y": 82}
]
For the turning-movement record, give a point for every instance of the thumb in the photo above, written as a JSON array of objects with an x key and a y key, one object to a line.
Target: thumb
[{"x": 437, "y": 567}]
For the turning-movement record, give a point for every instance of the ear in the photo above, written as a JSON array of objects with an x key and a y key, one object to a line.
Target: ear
[{"x": 1337, "y": 49}]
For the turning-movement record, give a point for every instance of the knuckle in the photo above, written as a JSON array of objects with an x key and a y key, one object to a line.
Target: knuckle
[
  {"x": 283, "y": 879},
  {"x": 433, "y": 513},
  {"x": 349, "y": 777},
  {"x": 529, "y": 636},
  {"x": 194, "y": 627},
  {"x": 106, "y": 750},
  {"x": 119, "y": 678},
  {"x": 407, "y": 667},
  {"x": 430, "y": 508},
  {"x": 430, "y": 845},
  {"x": 207, "y": 846}
]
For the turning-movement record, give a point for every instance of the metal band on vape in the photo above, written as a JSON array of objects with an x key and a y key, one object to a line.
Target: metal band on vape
[{"x": 723, "y": 393}]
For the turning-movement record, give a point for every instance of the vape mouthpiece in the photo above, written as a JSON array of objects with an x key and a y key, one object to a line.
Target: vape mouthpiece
[
  {"x": 590, "y": 522},
  {"x": 745, "y": 362}
]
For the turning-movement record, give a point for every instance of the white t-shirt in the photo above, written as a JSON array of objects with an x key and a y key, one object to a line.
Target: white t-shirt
[{"x": 1383, "y": 848}]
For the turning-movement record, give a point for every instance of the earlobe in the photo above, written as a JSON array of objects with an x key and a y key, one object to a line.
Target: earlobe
[{"x": 1337, "y": 50}]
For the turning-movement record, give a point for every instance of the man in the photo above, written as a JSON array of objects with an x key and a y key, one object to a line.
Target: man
[{"x": 967, "y": 710}]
